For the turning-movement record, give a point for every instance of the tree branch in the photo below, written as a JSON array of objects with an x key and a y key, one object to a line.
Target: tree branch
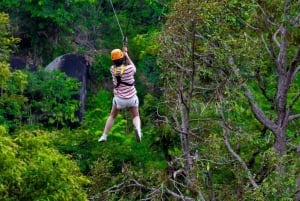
[
  {"x": 294, "y": 101},
  {"x": 294, "y": 68},
  {"x": 181, "y": 67},
  {"x": 261, "y": 84},
  {"x": 230, "y": 149},
  {"x": 281, "y": 59},
  {"x": 293, "y": 117},
  {"x": 178, "y": 196},
  {"x": 295, "y": 72},
  {"x": 296, "y": 20},
  {"x": 274, "y": 37},
  {"x": 270, "y": 51},
  {"x": 165, "y": 118},
  {"x": 265, "y": 15},
  {"x": 259, "y": 114}
]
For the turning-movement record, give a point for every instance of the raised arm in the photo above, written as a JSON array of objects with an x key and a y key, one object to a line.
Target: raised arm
[{"x": 128, "y": 60}]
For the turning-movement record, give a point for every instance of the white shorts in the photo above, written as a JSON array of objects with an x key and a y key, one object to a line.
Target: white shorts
[{"x": 123, "y": 103}]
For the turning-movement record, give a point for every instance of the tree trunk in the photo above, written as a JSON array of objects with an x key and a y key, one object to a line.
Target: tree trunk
[
  {"x": 280, "y": 142},
  {"x": 185, "y": 141},
  {"x": 297, "y": 196}
]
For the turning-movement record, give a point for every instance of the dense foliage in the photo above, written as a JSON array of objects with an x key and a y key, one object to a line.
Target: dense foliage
[
  {"x": 32, "y": 169},
  {"x": 225, "y": 67},
  {"x": 218, "y": 83}
]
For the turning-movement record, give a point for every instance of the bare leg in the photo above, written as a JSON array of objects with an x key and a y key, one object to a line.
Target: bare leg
[
  {"x": 109, "y": 123},
  {"x": 136, "y": 122}
]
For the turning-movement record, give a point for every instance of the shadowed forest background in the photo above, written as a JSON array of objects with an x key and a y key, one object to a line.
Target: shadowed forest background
[{"x": 219, "y": 90}]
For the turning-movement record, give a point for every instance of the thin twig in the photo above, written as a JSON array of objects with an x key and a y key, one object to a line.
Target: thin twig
[{"x": 230, "y": 149}]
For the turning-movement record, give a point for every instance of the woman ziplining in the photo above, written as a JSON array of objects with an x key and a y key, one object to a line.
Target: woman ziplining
[{"x": 125, "y": 94}]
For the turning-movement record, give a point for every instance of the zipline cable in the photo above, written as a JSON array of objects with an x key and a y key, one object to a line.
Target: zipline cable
[
  {"x": 122, "y": 33},
  {"x": 117, "y": 20},
  {"x": 130, "y": 11}
]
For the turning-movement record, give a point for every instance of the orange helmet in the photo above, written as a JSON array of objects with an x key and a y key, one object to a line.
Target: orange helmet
[{"x": 116, "y": 54}]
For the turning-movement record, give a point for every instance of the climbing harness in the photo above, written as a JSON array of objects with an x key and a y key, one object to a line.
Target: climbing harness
[{"x": 118, "y": 76}]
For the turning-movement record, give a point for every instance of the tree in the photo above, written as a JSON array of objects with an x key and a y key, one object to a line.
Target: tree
[
  {"x": 32, "y": 169},
  {"x": 189, "y": 77},
  {"x": 216, "y": 40},
  {"x": 51, "y": 28},
  {"x": 277, "y": 35},
  {"x": 7, "y": 43},
  {"x": 11, "y": 101},
  {"x": 51, "y": 99}
]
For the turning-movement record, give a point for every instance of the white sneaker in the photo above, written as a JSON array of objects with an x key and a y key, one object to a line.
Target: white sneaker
[
  {"x": 103, "y": 138},
  {"x": 138, "y": 135}
]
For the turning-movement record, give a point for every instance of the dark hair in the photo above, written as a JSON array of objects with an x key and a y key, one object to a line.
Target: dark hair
[{"x": 119, "y": 62}]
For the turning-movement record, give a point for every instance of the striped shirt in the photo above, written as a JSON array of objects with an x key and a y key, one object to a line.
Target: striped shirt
[{"x": 122, "y": 90}]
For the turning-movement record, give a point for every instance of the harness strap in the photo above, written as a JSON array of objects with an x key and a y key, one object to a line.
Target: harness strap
[
  {"x": 123, "y": 67},
  {"x": 119, "y": 81},
  {"x": 119, "y": 77}
]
